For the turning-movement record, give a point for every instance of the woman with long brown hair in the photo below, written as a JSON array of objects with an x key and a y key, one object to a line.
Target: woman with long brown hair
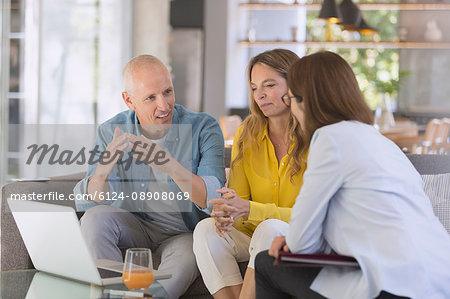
[
  {"x": 265, "y": 176},
  {"x": 361, "y": 197}
]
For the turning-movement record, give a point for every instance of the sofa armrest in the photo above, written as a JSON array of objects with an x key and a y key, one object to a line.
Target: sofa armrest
[{"x": 14, "y": 255}]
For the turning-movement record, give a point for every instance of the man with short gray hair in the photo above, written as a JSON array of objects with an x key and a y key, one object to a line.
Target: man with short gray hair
[{"x": 155, "y": 149}]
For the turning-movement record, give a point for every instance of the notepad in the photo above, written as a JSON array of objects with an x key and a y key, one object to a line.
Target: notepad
[{"x": 316, "y": 260}]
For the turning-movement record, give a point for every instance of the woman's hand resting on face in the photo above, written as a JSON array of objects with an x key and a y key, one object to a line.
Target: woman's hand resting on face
[{"x": 227, "y": 209}]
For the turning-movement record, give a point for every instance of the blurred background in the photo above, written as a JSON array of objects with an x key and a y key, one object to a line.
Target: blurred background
[{"x": 61, "y": 60}]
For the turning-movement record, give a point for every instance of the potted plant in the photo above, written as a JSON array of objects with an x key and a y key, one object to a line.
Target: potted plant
[{"x": 384, "y": 118}]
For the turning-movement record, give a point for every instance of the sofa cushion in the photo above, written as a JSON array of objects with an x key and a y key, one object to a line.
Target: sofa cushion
[{"x": 437, "y": 187}]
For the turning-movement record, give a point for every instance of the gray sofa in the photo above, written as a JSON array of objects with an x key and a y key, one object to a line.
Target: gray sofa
[{"x": 14, "y": 255}]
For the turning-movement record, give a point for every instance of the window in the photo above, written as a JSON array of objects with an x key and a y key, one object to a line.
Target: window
[{"x": 65, "y": 63}]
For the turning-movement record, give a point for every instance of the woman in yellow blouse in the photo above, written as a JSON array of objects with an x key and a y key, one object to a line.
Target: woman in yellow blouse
[{"x": 265, "y": 177}]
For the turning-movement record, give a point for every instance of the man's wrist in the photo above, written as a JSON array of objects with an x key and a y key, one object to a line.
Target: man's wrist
[
  {"x": 98, "y": 180},
  {"x": 102, "y": 171},
  {"x": 99, "y": 177},
  {"x": 175, "y": 171}
]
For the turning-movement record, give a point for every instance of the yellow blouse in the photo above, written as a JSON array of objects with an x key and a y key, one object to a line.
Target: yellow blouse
[{"x": 258, "y": 177}]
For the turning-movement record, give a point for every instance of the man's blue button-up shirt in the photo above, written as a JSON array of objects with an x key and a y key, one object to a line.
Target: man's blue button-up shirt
[{"x": 206, "y": 159}]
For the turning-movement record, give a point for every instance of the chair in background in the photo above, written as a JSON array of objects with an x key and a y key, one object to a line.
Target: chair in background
[
  {"x": 421, "y": 144},
  {"x": 242, "y": 112},
  {"x": 229, "y": 125},
  {"x": 441, "y": 144}
]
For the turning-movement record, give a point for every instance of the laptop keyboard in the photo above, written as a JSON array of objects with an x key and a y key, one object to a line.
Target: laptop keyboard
[{"x": 108, "y": 274}]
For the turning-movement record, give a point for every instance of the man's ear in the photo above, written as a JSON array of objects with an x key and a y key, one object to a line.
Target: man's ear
[{"x": 127, "y": 99}]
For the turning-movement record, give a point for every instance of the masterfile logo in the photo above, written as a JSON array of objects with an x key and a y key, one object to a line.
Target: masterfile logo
[
  {"x": 54, "y": 155},
  {"x": 54, "y": 150}
]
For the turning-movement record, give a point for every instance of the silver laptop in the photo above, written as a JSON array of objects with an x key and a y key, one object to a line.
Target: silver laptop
[{"x": 52, "y": 236}]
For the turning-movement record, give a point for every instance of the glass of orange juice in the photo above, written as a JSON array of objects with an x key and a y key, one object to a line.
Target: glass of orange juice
[{"x": 138, "y": 269}]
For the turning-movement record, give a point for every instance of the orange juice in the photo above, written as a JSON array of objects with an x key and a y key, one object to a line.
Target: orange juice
[{"x": 137, "y": 279}]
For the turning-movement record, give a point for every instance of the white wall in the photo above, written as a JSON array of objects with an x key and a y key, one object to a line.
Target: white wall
[
  {"x": 186, "y": 54},
  {"x": 151, "y": 28},
  {"x": 236, "y": 84},
  {"x": 215, "y": 70}
]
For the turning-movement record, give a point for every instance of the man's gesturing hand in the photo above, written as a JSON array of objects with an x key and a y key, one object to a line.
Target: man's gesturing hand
[
  {"x": 113, "y": 152},
  {"x": 148, "y": 152}
]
